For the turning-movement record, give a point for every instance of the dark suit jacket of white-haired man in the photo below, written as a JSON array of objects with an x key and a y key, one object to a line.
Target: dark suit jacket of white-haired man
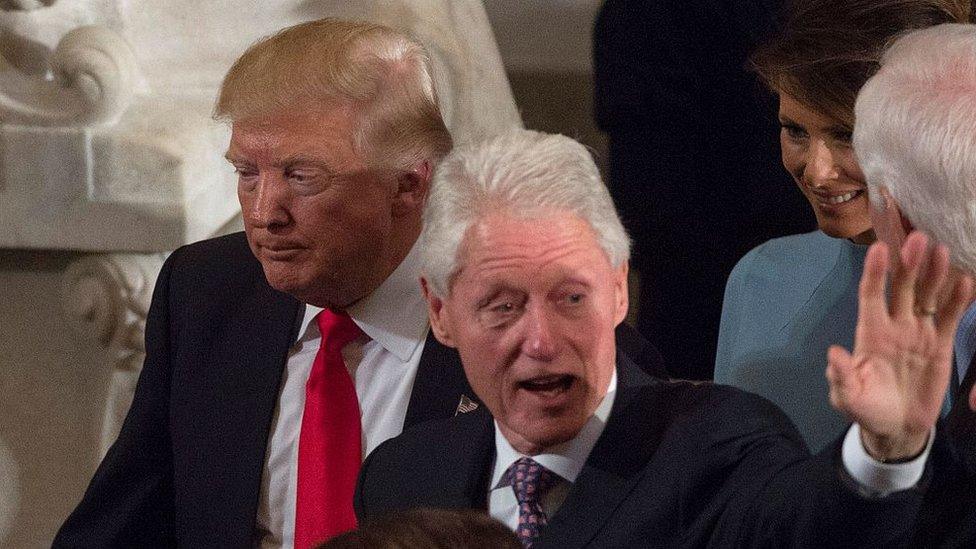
[
  {"x": 525, "y": 274},
  {"x": 915, "y": 139}
]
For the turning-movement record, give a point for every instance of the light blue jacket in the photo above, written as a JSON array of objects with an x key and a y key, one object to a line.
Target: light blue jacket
[{"x": 785, "y": 303}]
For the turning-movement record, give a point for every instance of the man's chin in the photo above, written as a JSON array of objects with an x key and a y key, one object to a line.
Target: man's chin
[
  {"x": 323, "y": 294},
  {"x": 535, "y": 436},
  {"x": 282, "y": 278}
]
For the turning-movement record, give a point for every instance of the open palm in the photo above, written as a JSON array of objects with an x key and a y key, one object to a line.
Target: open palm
[{"x": 894, "y": 382}]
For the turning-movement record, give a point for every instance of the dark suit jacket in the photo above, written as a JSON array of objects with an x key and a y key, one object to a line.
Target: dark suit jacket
[
  {"x": 186, "y": 468},
  {"x": 948, "y": 517},
  {"x": 678, "y": 465}
]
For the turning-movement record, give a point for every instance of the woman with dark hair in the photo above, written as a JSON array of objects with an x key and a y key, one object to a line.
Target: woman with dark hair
[{"x": 789, "y": 299}]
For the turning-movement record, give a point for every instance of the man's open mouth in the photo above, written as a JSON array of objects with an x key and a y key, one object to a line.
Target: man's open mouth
[{"x": 553, "y": 384}]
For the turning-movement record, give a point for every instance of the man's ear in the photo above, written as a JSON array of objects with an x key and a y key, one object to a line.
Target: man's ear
[
  {"x": 622, "y": 299},
  {"x": 890, "y": 224},
  {"x": 439, "y": 317},
  {"x": 411, "y": 189}
]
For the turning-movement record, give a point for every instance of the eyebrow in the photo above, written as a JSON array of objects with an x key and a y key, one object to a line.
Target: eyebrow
[
  {"x": 577, "y": 281},
  {"x": 300, "y": 158},
  {"x": 285, "y": 162},
  {"x": 834, "y": 129}
]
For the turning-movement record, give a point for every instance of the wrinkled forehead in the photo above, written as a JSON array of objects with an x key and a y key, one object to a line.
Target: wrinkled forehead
[
  {"x": 553, "y": 243},
  {"x": 311, "y": 132}
]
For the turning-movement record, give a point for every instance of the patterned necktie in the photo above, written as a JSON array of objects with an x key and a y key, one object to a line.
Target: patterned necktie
[
  {"x": 530, "y": 481},
  {"x": 330, "y": 443}
]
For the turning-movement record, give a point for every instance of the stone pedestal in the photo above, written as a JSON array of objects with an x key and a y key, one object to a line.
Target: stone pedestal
[{"x": 94, "y": 160}]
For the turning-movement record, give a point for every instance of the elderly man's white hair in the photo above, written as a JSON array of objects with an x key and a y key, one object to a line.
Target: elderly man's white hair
[
  {"x": 915, "y": 133},
  {"x": 520, "y": 173}
]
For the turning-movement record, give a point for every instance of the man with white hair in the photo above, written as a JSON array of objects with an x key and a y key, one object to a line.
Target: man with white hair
[
  {"x": 915, "y": 139},
  {"x": 525, "y": 273}
]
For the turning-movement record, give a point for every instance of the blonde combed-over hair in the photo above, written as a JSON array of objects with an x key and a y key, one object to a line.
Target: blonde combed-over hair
[{"x": 384, "y": 75}]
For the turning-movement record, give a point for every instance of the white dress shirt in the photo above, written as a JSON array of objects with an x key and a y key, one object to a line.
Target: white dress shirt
[
  {"x": 566, "y": 460},
  {"x": 383, "y": 365}
]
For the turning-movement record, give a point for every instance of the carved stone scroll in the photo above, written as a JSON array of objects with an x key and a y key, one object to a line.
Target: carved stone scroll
[
  {"x": 106, "y": 298},
  {"x": 95, "y": 75}
]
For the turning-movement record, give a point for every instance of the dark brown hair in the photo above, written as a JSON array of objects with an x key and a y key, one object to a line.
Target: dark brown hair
[
  {"x": 429, "y": 529},
  {"x": 827, "y": 49}
]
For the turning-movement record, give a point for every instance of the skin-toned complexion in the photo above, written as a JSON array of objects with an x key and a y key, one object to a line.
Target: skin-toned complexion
[
  {"x": 326, "y": 227},
  {"x": 894, "y": 381},
  {"x": 532, "y": 311},
  {"x": 817, "y": 153}
]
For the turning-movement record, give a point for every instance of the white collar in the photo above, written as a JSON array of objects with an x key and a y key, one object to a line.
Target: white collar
[
  {"x": 565, "y": 459},
  {"x": 394, "y": 314}
]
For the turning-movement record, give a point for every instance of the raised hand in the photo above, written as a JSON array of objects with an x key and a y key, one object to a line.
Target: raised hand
[
  {"x": 972, "y": 399},
  {"x": 894, "y": 382}
]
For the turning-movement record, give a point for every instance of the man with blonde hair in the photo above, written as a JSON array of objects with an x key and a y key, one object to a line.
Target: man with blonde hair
[{"x": 278, "y": 357}]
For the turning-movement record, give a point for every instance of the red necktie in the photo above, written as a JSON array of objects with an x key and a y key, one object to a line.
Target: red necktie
[{"x": 330, "y": 443}]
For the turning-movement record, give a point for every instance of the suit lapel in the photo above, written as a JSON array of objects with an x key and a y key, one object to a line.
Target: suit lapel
[
  {"x": 440, "y": 389},
  {"x": 247, "y": 383},
  {"x": 468, "y": 472},
  {"x": 612, "y": 470}
]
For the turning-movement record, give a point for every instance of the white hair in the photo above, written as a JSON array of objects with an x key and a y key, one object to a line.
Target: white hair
[
  {"x": 522, "y": 173},
  {"x": 915, "y": 133}
]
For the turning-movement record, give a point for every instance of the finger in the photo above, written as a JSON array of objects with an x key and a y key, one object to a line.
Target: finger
[
  {"x": 932, "y": 275},
  {"x": 906, "y": 273},
  {"x": 948, "y": 316},
  {"x": 872, "y": 305},
  {"x": 972, "y": 399},
  {"x": 840, "y": 367}
]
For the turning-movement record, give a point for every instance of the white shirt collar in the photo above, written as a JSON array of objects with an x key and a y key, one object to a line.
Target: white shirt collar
[
  {"x": 393, "y": 315},
  {"x": 565, "y": 459}
]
